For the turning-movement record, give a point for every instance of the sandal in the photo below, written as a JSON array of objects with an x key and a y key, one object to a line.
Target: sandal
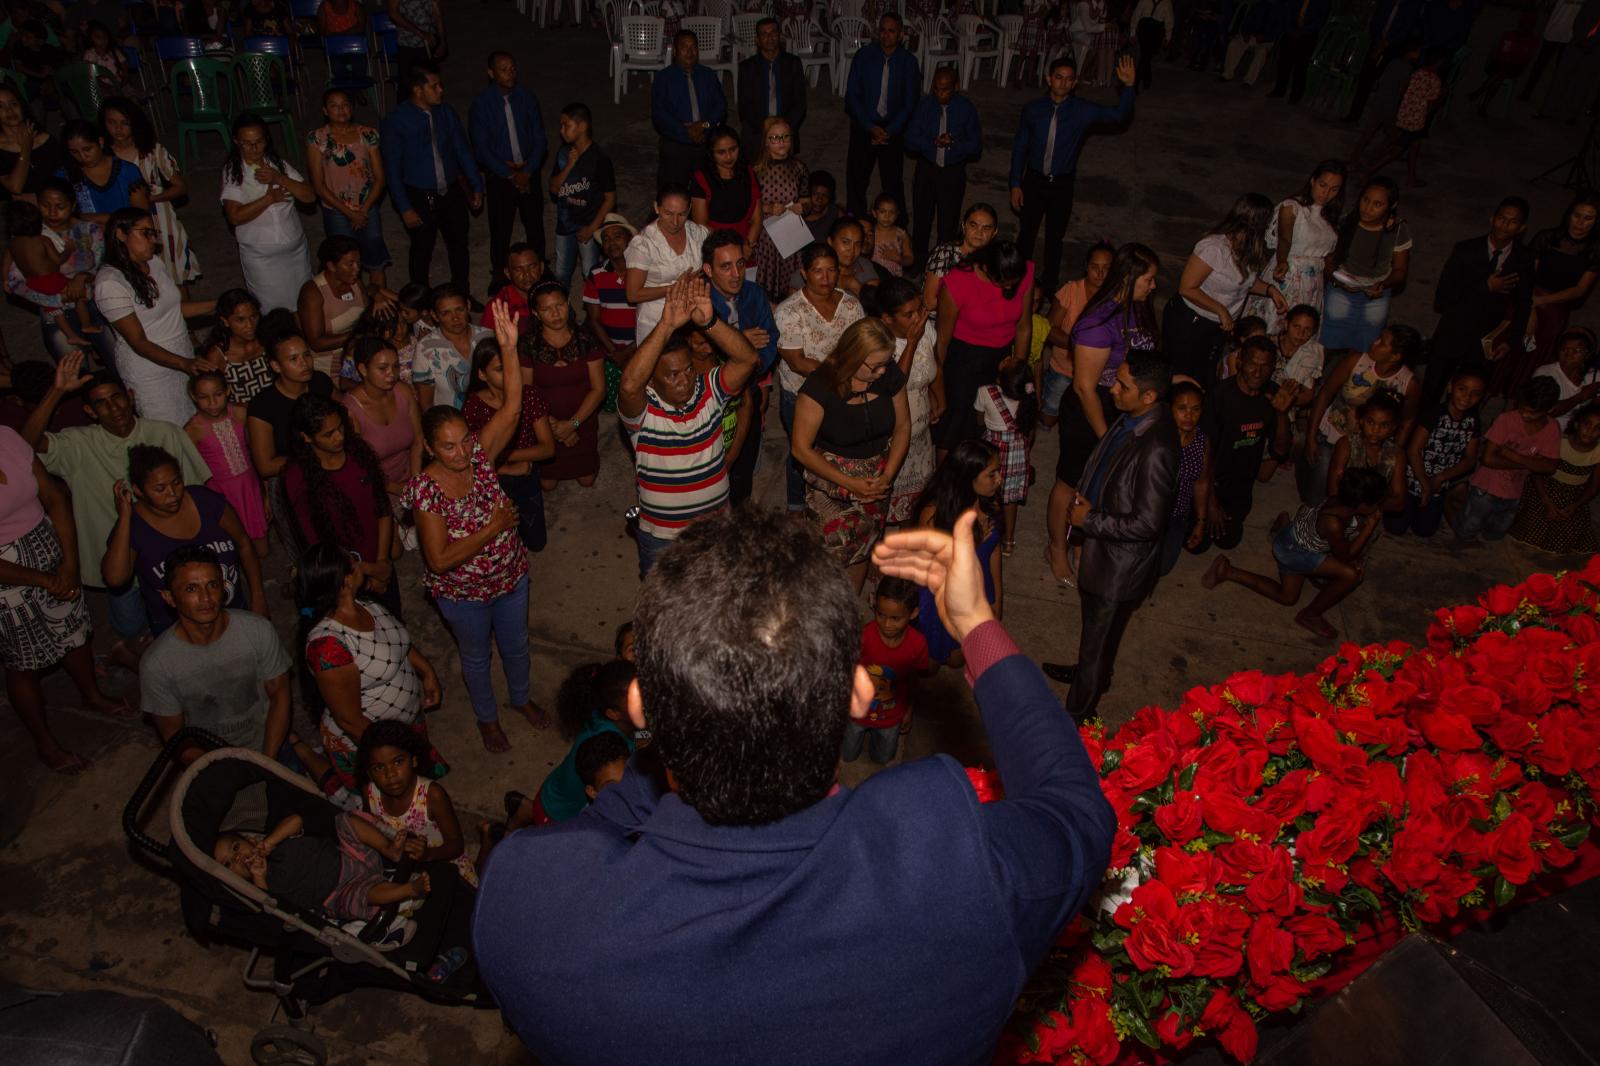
[
  {"x": 495, "y": 741},
  {"x": 1061, "y": 582},
  {"x": 1007, "y": 547}
]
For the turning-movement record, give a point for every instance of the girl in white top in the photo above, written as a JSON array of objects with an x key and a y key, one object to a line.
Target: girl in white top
[
  {"x": 662, "y": 253},
  {"x": 1302, "y": 239},
  {"x": 257, "y": 190},
  {"x": 154, "y": 353},
  {"x": 1578, "y": 381}
]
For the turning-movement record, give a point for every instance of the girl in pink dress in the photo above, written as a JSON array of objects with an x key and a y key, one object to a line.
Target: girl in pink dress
[{"x": 217, "y": 431}]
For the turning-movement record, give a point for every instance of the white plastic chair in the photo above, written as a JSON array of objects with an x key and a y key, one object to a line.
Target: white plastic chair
[
  {"x": 744, "y": 35},
  {"x": 813, "y": 48},
  {"x": 939, "y": 47},
  {"x": 718, "y": 9},
  {"x": 850, "y": 32},
  {"x": 978, "y": 39},
  {"x": 711, "y": 34},
  {"x": 1010, "y": 35},
  {"x": 642, "y": 47},
  {"x": 846, "y": 9}
]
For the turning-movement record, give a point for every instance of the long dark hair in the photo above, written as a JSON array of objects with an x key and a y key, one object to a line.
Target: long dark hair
[
  {"x": 950, "y": 490},
  {"x": 484, "y": 352},
  {"x": 1002, "y": 262},
  {"x": 142, "y": 283},
  {"x": 591, "y": 690},
  {"x": 306, "y": 416},
  {"x": 1132, "y": 262},
  {"x": 233, "y": 167},
  {"x": 1016, "y": 383},
  {"x": 531, "y": 345},
  {"x": 708, "y": 159},
  {"x": 1347, "y": 228},
  {"x": 144, "y": 133},
  {"x": 229, "y": 302},
  {"x": 1330, "y": 210},
  {"x": 318, "y": 578},
  {"x": 83, "y": 130},
  {"x": 1245, "y": 227}
]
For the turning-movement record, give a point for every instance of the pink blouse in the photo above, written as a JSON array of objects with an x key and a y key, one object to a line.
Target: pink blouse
[
  {"x": 986, "y": 320},
  {"x": 20, "y": 509}
]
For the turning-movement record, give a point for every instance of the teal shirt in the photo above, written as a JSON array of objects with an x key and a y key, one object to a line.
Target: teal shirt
[{"x": 562, "y": 794}]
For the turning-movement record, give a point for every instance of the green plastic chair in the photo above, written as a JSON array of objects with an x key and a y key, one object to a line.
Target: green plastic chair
[
  {"x": 79, "y": 85},
  {"x": 263, "y": 81},
  {"x": 205, "y": 80}
]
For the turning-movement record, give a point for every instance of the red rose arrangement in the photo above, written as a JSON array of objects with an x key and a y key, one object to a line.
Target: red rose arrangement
[{"x": 1268, "y": 822}]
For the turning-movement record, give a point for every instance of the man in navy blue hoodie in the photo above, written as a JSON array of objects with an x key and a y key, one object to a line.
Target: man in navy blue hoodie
[{"x": 751, "y": 910}]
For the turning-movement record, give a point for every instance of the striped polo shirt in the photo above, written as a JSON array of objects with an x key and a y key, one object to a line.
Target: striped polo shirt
[
  {"x": 680, "y": 458},
  {"x": 607, "y": 293}
]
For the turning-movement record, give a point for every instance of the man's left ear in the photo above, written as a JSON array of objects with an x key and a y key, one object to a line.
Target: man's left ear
[
  {"x": 636, "y": 705},
  {"x": 861, "y": 692}
]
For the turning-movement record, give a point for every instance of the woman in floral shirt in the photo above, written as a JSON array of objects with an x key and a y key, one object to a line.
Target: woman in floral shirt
[
  {"x": 477, "y": 569},
  {"x": 346, "y": 169}
]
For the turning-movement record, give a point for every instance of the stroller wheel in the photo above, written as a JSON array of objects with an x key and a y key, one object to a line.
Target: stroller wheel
[{"x": 282, "y": 1045}]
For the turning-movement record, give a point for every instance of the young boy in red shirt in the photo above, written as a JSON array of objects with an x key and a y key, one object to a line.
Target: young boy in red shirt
[{"x": 893, "y": 652}]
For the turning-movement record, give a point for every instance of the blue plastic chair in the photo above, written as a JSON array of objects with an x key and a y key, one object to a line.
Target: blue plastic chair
[
  {"x": 385, "y": 42},
  {"x": 304, "y": 9},
  {"x": 349, "y": 58}
]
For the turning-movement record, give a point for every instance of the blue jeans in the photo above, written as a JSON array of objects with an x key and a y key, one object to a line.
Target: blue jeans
[
  {"x": 650, "y": 549},
  {"x": 881, "y": 744},
  {"x": 794, "y": 483},
  {"x": 472, "y": 622},
  {"x": 1052, "y": 386},
  {"x": 568, "y": 251},
  {"x": 1352, "y": 320},
  {"x": 129, "y": 619},
  {"x": 525, "y": 492},
  {"x": 374, "y": 252},
  {"x": 1489, "y": 515},
  {"x": 1415, "y": 518}
]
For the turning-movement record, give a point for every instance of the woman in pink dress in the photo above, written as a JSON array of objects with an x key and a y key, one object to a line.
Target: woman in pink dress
[
  {"x": 217, "y": 431},
  {"x": 385, "y": 410}
]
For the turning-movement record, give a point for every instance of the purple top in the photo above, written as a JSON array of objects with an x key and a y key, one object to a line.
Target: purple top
[
  {"x": 1191, "y": 464},
  {"x": 151, "y": 548},
  {"x": 1108, "y": 326}
]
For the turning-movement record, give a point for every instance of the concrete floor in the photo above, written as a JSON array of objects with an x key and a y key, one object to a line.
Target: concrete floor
[{"x": 76, "y": 910}]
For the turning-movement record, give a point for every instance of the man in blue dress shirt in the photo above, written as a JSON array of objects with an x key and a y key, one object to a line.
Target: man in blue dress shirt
[
  {"x": 433, "y": 179},
  {"x": 685, "y": 101},
  {"x": 742, "y": 304},
  {"x": 753, "y": 910},
  {"x": 1044, "y": 157},
  {"x": 945, "y": 135},
  {"x": 884, "y": 84},
  {"x": 508, "y": 137}
]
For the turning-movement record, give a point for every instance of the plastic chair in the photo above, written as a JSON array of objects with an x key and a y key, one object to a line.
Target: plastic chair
[
  {"x": 205, "y": 81},
  {"x": 385, "y": 42},
  {"x": 349, "y": 59},
  {"x": 805, "y": 40},
  {"x": 642, "y": 47},
  {"x": 172, "y": 49},
  {"x": 850, "y": 32},
  {"x": 79, "y": 85},
  {"x": 978, "y": 39},
  {"x": 715, "y": 54},
  {"x": 283, "y": 49},
  {"x": 938, "y": 47},
  {"x": 264, "y": 80},
  {"x": 744, "y": 35},
  {"x": 1010, "y": 37}
]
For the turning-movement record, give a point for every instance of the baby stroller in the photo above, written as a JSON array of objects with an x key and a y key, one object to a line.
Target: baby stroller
[{"x": 313, "y": 959}]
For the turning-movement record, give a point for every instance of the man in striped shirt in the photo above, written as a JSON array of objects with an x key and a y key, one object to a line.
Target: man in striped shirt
[{"x": 674, "y": 418}]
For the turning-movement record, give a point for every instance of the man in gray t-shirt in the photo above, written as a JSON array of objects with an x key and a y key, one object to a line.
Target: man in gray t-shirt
[{"x": 224, "y": 671}]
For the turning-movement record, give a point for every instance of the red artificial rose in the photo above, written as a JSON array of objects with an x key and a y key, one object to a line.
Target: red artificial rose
[
  {"x": 1123, "y": 847},
  {"x": 1227, "y": 813},
  {"x": 1384, "y": 790},
  {"x": 1146, "y": 763},
  {"x": 1319, "y": 742},
  {"x": 1152, "y": 899},
  {"x": 986, "y": 783},
  {"x": 1180, "y": 820},
  {"x": 1269, "y": 950},
  {"x": 1186, "y": 873},
  {"x": 1544, "y": 592},
  {"x": 1462, "y": 621},
  {"x": 1239, "y": 1037},
  {"x": 1221, "y": 954},
  {"x": 1274, "y": 890},
  {"x": 1537, "y": 802},
  {"x": 1286, "y": 800},
  {"x": 1513, "y": 733},
  {"x": 1448, "y": 730},
  {"x": 1173, "y": 1031},
  {"x": 1226, "y": 765},
  {"x": 1331, "y": 841},
  {"x": 1281, "y": 993},
  {"x": 1155, "y": 942},
  {"x": 1315, "y": 935},
  {"x": 1509, "y": 846},
  {"x": 1501, "y": 600},
  {"x": 1092, "y": 975},
  {"x": 1056, "y": 1037},
  {"x": 1219, "y": 1010},
  {"x": 1322, "y": 791},
  {"x": 1529, "y": 696},
  {"x": 1582, "y": 628},
  {"x": 1096, "y": 1037},
  {"x": 1476, "y": 704},
  {"x": 1242, "y": 860},
  {"x": 1250, "y": 688}
]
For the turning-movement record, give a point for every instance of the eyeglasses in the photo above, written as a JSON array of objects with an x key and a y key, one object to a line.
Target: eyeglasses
[{"x": 778, "y": 137}]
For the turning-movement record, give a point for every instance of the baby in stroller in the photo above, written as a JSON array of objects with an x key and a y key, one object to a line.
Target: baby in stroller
[{"x": 342, "y": 874}]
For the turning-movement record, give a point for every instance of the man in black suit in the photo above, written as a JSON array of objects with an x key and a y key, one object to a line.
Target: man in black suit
[
  {"x": 771, "y": 82},
  {"x": 1130, "y": 484},
  {"x": 1486, "y": 281}
]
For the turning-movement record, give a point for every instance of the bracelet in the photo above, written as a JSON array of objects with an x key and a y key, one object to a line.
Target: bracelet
[{"x": 575, "y": 423}]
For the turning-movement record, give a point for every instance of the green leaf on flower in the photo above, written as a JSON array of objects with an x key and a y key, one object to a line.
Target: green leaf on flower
[
  {"x": 1141, "y": 1030},
  {"x": 1213, "y": 838},
  {"x": 1502, "y": 807},
  {"x": 1367, "y": 898},
  {"x": 1110, "y": 762},
  {"x": 1108, "y": 940},
  {"x": 1305, "y": 823},
  {"x": 1504, "y": 891},
  {"x": 1575, "y": 836},
  {"x": 1186, "y": 776}
]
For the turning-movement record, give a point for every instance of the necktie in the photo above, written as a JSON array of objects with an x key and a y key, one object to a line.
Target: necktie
[
  {"x": 944, "y": 127},
  {"x": 694, "y": 100},
  {"x": 772, "y": 88},
  {"x": 1050, "y": 144},
  {"x": 511, "y": 127},
  {"x": 732, "y": 315},
  {"x": 439, "y": 181},
  {"x": 883, "y": 90}
]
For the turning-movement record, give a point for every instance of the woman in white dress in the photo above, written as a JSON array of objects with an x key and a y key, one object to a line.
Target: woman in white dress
[
  {"x": 1302, "y": 239},
  {"x": 257, "y": 190},
  {"x": 154, "y": 353},
  {"x": 133, "y": 140},
  {"x": 663, "y": 252},
  {"x": 898, "y": 305}
]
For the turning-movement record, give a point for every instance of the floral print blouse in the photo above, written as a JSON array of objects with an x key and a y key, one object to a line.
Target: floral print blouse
[{"x": 497, "y": 568}]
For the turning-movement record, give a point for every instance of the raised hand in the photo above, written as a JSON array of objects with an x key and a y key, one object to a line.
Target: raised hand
[
  {"x": 505, "y": 326},
  {"x": 700, "y": 310},
  {"x": 1125, "y": 70},
  {"x": 946, "y": 564},
  {"x": 67, "y": 377},
  {"x": 675, "y": 306}
]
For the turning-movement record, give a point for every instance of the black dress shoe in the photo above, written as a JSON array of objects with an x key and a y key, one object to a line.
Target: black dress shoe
[{"x": 1062, "y": 672}]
